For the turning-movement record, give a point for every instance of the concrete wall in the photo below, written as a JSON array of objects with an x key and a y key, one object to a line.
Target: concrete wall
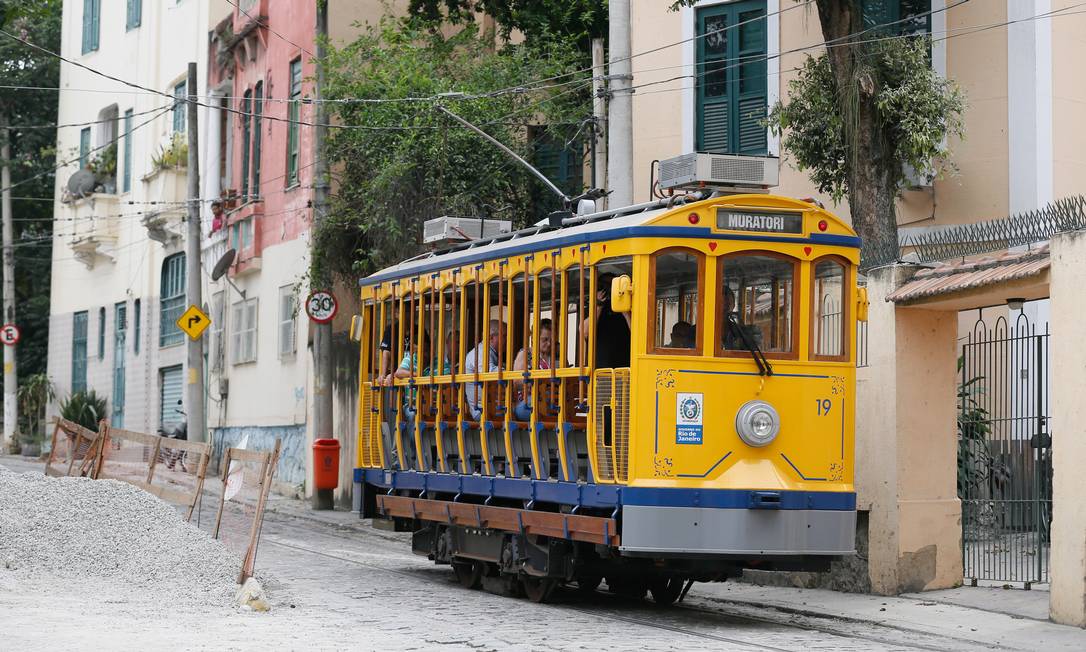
[
  {"x": 906, "y": 444},
  {"x": 1068, "y": 553}
]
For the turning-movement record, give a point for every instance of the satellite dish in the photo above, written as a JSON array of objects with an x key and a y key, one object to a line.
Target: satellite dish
[
  {"x": 224, "y": 264},
  {"x": 82, "y": 183}
]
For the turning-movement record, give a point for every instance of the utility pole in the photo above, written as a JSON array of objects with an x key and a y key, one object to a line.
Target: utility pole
[
  {"x": 11, "y": 377},
  {"x": 620, "y": 106},
  {"x": 197, "y": 422},
  {"x": 599, "y": 112},
  {"x": 322, "y": 333}
]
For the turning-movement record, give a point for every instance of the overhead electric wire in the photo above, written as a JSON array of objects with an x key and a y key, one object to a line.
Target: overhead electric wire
[
  {"x": 89, "y": 123},
  {"x": 87, "y": 153}
]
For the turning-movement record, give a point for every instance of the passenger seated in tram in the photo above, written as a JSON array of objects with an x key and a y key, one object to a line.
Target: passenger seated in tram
[
  {"x": 494, "y": 345},
  {"x": 683, "y": 336},
  {"x": 612, "y": 328},
  {"x": 407, "y": 368},
  {"x": 384, "y": 371},
  {"x": 522, "y": 412},
  {"x": 452, "y": 347}
]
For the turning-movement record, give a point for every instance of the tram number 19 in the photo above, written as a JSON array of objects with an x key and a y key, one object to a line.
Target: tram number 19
[{"x": 824, "y": 405}]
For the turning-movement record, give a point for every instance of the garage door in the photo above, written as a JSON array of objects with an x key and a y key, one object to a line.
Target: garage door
[{"x": 170, "y": 392}]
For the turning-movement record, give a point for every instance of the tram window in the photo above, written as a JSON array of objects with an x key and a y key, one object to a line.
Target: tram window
[
  {"x": 612, "y": 330},
  {"x": 475, "y": 323},
  {"x": 449, "y": 343},
  {"x": 389, "y": 334},
  {"x": 757, "y": 307},
  {"x": 546, "y": 311},
  {"x": 520, "y": 306},
  {"x": 676, "y": 323},
  {"x": 574, "y": 346},
  {"x": 828, "y": 310}
]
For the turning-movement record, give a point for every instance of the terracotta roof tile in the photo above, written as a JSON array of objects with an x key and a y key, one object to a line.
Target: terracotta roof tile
[{"x": 956, "y": 276}]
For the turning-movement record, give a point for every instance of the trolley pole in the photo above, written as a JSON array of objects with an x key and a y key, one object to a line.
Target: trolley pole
[
  {"x": 197, "y": 423},
  {"x": 620, "y": 120},
  {"x": 11, "y": 378},
  {"x": 322, "y": 333}
]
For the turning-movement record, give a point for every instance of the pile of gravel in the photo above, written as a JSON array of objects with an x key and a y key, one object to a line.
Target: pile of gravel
[{"x": 111, "y": 532}]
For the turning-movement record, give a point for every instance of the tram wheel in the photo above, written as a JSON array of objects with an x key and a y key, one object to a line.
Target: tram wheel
[
  {"x": 468, "y": 573},
  {"x": 665, "y": 590},
  {"x": 538, "y": 589}
]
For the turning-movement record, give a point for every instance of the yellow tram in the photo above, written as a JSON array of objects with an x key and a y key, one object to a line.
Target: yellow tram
[{"x": 653, "y": 395}]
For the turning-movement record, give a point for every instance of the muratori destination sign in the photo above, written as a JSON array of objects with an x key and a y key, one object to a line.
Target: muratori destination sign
[{"x": 734, "y": 220}]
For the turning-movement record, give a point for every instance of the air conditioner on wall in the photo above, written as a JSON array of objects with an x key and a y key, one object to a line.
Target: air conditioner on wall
[{"x": 699, "y": 171}]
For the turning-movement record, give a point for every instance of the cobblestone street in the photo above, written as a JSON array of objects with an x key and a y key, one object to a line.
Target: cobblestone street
[{"x": 350, "y": 586}]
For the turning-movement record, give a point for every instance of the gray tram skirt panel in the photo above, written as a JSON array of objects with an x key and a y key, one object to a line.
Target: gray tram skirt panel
[{"x": 702, "y": 530}]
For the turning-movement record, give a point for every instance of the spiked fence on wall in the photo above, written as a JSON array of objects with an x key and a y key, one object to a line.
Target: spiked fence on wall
[{"x": 961, "y": 241}]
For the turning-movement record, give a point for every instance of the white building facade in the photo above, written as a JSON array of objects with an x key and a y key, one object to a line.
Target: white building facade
[{"x": 118, "y": 281}]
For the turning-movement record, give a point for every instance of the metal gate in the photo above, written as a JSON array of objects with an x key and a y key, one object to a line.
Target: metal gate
[{"x": 1004, "y": 452}]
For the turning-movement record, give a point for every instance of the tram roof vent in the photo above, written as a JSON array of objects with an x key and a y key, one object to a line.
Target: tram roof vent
[
  {"x": 448, "y": 229},
  {"x": 699, "y": 171}
]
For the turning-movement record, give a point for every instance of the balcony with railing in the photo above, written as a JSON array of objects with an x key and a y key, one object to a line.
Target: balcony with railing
[{"x": 94, "y": 224}]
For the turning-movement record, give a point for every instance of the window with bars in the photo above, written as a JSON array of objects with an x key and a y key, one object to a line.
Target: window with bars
[
  {"x": 133, "y": 15},
  {"x": 79, "y": 352},
  {"x": 288, "y": 308},
  {"x": 179, "y": 95},
  {"x": 120, "y": 329},
  {"x": 243, "y": 316},
  {"x": 137, "y": 314},
  {"x": 92, "y": 13},
  {"x": 731, "y": 78},
  {"x": 295, "y": 112},
  {"x": 172, "y": 300}
]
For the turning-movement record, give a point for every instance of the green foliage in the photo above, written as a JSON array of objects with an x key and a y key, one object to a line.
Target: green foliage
[
  {"x": 104, "y": 163},
  {"x": 977, "y": 467},
  {"x": 174, "y": 154},
  {"x": 35, "y": 392},
  {"x": 917, "y": 111},
  {"x": 32, "y": 153},
  {"x": 576, "y": 21},
  {"x": 84, "y": 408},
  {"x": 411, "y": 162}
]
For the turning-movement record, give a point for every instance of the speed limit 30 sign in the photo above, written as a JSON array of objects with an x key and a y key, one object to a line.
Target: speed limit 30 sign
[{"x": 321, "y": 306}]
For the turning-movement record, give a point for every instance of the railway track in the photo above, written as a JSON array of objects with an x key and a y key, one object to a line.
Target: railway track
[{"x": 677, "y": 619}]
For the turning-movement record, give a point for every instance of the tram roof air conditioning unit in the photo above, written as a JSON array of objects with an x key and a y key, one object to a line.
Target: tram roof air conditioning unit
[
  {"x": 699, "y": 171},
  {"x": 449, "y": 229}
]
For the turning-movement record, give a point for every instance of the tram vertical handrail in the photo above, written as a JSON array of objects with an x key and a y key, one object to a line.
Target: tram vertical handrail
[
  {"x": 394, "y": 391},
  {"x": 435, "y": 399}
]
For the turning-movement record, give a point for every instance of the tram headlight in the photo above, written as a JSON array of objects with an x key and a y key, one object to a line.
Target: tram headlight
[{"x": 757, "y": 423}]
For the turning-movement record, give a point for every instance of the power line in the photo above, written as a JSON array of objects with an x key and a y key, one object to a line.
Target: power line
[
  {"x": 78, "y": 124},
  {"x": 80, "y": 157},
  {"x": 269, "y": 28}
]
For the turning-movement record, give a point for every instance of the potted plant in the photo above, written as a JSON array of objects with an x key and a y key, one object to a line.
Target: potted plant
[
  {"x": 85, "y": 408},
  {"x": 172, "y": 155},
  {"x": 104, "y": 167}
]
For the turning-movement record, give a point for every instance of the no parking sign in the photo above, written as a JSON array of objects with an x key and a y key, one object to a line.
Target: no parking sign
[{"x": 10, "y": 334}]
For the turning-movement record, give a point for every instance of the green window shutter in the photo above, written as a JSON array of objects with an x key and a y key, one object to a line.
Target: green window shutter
[
  {"x": 79, "y": 352},
  {"x": 90, "y": 26},
  {"x": 731, "y": 91},
  {"x": 84, "y": 146},
  {"x": 134, "y": 15},
  {"x": 126, "y": 181},
  {"x": 258, "y": 109},
  {"x": 246, "y": 106},
  {"x": 294, "y": 113}
]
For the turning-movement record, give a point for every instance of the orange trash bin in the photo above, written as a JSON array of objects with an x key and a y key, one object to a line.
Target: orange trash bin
[{"x": 326, "y": 463}]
